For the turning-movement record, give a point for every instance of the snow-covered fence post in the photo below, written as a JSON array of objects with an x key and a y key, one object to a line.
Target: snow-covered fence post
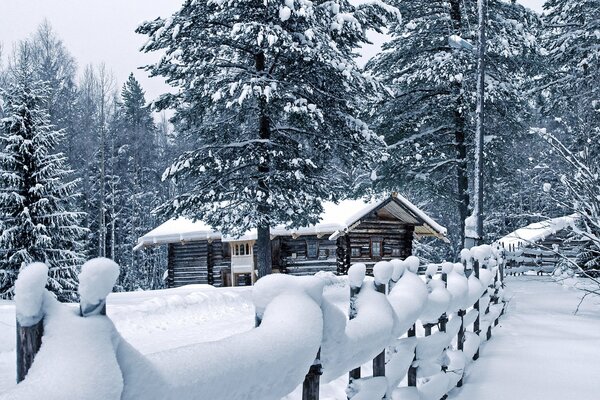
[
  {"x": 96, "y": 280},
  {"x": 310, "y": 386},
  {"x": 382, "y": 271},
  {"x": 30, "y": 289},
  {"x": 356, "y": 277},
  {"x": 444, "y": 317},
  {"x": 476, "y": 307}
]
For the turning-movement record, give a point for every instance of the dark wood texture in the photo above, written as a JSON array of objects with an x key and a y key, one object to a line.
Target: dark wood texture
[
  {"x": 354, "y": 291},
  {"x": 296, "y": 261},
  {"x": 412, "y": 371},
  {"x": 379, "y": 360},
  {"x": 310, "y": 386},
  {"x": 476, "y": 306},
  {"x": 29, "y": 341},
  {"x": 197, "y": 262}
]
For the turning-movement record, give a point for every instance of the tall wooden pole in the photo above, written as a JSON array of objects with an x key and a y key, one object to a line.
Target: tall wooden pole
[{"x": 479, "y": 131}]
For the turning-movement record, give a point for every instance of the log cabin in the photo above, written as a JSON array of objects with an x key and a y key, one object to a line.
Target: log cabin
[{"x": 348, "y": 232}]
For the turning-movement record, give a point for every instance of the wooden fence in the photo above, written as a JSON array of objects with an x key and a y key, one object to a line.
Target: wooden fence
[{"x": 474, "y": 324}]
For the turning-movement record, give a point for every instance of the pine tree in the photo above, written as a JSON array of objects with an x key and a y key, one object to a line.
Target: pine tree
[
  {"x": 35, "y": 192},
  {"x": 571, "y": 88},
  {"x": 271, "y": 94},
  {"x": 136, "y": 188},
  {"x": 429, "y": 122}
]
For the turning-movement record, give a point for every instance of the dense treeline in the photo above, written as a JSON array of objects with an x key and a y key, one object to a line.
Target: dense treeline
[
  {"x": 273, "y": 115},
  {"x": 111, "y": 154}
]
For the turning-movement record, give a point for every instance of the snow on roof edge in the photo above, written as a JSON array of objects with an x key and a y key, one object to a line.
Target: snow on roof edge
[{"x": 333, "y": 220}]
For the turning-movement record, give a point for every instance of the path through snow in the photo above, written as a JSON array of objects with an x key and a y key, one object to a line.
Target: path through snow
[{"x": 541, "y": 350}]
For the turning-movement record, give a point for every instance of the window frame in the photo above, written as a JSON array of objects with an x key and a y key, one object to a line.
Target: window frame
[
  {"x": 310, "y": 242},
  {"x": 378, "y": 240}
]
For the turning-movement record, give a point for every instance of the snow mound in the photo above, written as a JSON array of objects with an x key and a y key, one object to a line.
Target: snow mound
[
  {"x": 77, "y": 358},
  {"x": 268, "y": 362}
]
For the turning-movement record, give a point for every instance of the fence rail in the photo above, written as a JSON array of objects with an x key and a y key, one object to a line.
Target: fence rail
[{"x": 419, "y": 328}]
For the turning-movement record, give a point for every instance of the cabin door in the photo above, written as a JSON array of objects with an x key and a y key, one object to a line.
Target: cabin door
[{"x": 242, "y": 260}]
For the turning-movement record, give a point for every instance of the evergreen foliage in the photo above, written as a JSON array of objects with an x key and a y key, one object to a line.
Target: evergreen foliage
[
  {"x": 36, "y": 191},
  {"x": 270, "y": 93},
  {"x": 429, "y": 122}
]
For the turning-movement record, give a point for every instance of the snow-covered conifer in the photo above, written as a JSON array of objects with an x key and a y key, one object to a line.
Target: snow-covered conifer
[
  {"x": 271, "y": 92},
  {"x": 36, "y": 194},
  {"x": 429, "y": 122}
]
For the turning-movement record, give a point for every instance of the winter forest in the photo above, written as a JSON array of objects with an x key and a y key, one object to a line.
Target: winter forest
[
  {"x": 301, "y": 199},
  {"x": 273, "y": 114}
]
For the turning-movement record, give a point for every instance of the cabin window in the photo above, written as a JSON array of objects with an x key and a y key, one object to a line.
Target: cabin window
[
  {"x": 376, "y": 248},
  {"x": 241, "y": 249},
  {"x": 356, "y": 252},
  {"x": 396, "y": 252},
  {"x": 312, "y": 249}
]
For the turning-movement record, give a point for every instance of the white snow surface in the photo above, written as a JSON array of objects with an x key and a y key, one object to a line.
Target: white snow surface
[
  {"x": 29, "y": 293},
  {"x": 541, "y": 350},
  {"x": 539, "y": 347},
  {"x": 77, "y": 358}
]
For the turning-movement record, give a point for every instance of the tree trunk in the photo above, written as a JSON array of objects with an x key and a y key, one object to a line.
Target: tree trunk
[
  {"x": 263, "y": 243},
  {"x": 479, "y": 131},
  {"x": 462, "y": 177}
]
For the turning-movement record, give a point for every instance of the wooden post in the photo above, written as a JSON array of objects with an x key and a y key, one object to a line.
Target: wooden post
[
  {"x": 444, "y": 318},
  {"x": 310, "y": 386},
  {"x": 29, "y": 341},
  {"x": 85, "y": 310},
  {"x": 379, "y": 360},
  {"x": 412, "y": 371},
  {"x": 476, "y": 306},
  {"x": 354, "y": 291},
  {"x": 460, "y": 340}
]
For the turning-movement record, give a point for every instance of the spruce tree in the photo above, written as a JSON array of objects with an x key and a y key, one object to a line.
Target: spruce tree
[
  {"x": 571, "y": 87},
  {"x": 36, "y": 193},
  {"x": 429, "y": 122},
  {"x": 137, "y": 188},
  {"x": 271, "y": 93}
]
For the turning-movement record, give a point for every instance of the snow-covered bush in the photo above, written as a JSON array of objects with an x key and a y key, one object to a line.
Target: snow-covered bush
[{"x": 579, "y": 192}]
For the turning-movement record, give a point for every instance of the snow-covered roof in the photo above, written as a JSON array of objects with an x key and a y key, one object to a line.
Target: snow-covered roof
[
  {"x": 335, "y": 220},
  {"x": 537, "y": 231}
]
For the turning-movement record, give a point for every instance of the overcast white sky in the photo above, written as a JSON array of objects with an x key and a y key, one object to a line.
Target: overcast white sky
[{"x": 97, "y": 31}]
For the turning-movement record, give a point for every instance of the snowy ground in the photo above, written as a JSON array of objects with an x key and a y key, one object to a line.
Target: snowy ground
[{"x": 541, "y": 350}]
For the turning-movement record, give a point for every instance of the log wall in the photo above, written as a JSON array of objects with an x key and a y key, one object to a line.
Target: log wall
[
  {"x": 396, "y": 240},
  {"x": 294, "y": 259},
  {"x": 198, "y": 262}
]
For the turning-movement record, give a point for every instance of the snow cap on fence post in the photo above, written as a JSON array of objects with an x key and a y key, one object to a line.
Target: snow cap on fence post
[
  {"x": 269, "y": 287},
  {"x": 481, "y": 253},
  {"x": 96, "y": 281},
  {"x": 398, "y": 269},
  {"x": 431, "y": 270},
  {"x": 356, "y": 274},
  {"x": 29, "y": 293},
  {"x": 465, "y": 255},
  {"x": 382, "y": 271},
  {"x": 459, "y": 268},
  {"x": 412, "y": 264},
  {"x": 447, "y": 267}
]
